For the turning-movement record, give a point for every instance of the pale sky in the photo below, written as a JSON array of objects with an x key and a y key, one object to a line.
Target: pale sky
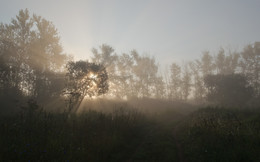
[{"x": 169, "y": 30}]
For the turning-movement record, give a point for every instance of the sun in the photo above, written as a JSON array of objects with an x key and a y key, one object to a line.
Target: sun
[{"x": 92, "y": 75}]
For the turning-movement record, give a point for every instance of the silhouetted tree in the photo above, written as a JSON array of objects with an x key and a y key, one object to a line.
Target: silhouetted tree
[
  {"x": 84, "y": 79},
  {"x": 31, "y": 54},
  {"x": 175, "y": 81},
  {"x": 250, "y": 66},
  {"x": 228, "y": 90},
  {"x": 206, "y": 64},
  {"x": 145, "y": 73},
  {"x": 160, "y": 91},
  {"x": 198, "y": 85},
  {"x": 125, "y": 76},
  {"x": 105, "y": 56},
  {"x": 186, "y": 82},
  {"x": 226, "y": 64}
]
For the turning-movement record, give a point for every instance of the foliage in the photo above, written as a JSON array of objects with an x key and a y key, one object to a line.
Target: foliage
[
  {"x": 91, "y": 136},
  {"x": 125, "y": 134},
  {"x": 84, "y": 79},
  {"x": 220, "y": 134},
  {"x": 228, "y": 90},
  {"x": 32, "y": 64},
  {"x": 130, "y": 75},
  {"x": 250, "y": 65},
  {"x": 175, "y": 81},
  {"x": 31, "y": 58}
]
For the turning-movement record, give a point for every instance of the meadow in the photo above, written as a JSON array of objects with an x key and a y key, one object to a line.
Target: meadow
[{"x": 127, "y": 133}]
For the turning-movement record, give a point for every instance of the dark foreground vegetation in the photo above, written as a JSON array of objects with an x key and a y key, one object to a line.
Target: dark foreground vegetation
[
  {"x": 219, "y": 134},
  {"x": 128, "y": 134}
]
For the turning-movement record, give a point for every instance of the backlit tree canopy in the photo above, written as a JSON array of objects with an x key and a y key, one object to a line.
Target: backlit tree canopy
[
  {"x": 84, "y": 79},
  {"x": 33, "y": 65},
  {"x": 31, "y": 58}
]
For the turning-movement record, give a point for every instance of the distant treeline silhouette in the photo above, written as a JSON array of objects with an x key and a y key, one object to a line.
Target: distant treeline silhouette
[{"x": 34, "y": 65}]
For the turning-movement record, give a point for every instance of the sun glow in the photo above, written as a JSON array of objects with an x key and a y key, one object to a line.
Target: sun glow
[{"x": 92, "y": 75}]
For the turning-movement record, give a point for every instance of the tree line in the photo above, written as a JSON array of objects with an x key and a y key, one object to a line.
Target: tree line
[
  {"x": 227, "y": 78},
  {"x": 34, "y": 65}
]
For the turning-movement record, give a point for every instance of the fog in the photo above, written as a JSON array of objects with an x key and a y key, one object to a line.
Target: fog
[{"x": 124, "y": 93}]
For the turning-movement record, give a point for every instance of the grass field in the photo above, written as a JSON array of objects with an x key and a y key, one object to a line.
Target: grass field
[{"x": 127, "y": 134}]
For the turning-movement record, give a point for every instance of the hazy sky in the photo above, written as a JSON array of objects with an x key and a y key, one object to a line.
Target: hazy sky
[{"x": 170, "y": 30}]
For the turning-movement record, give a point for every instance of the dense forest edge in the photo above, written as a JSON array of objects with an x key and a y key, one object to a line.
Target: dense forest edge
[{"x": 123, "y": 107}]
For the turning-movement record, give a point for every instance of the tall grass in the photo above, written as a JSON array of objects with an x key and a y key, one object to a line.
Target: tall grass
[
  {"x": 36, "y": 135},
  {"x": 115, "y": 131},
  {"x": 219, "y": 134}
]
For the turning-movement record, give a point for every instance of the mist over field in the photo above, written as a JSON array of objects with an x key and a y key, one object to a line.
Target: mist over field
[{"x": 123, "y": 106}]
